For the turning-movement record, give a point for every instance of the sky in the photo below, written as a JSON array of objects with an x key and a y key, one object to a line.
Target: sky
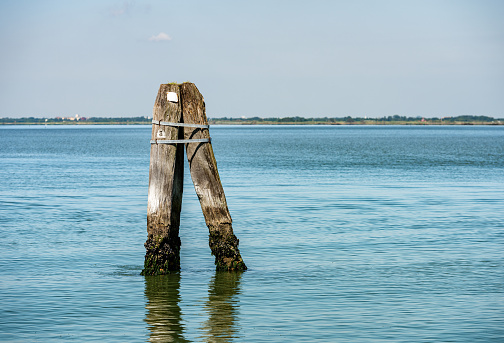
[{"x": 107, "y": 58}]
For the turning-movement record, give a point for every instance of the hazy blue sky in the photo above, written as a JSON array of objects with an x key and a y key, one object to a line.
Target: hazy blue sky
[{"x": 253, "y": 58}]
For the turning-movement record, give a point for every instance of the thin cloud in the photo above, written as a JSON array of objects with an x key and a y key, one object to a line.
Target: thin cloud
[
  {"x": 160, "y": 37},
  {"x": 119, "y": 10}
]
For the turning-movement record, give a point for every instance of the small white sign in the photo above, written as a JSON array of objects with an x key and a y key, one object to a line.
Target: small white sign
[
  {"x": 161, "y": 134},
  {"x": 172, "y": 97}
]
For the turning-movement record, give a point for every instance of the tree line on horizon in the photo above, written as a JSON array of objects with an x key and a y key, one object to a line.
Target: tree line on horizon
[
  {"x": 91, "y": 120},
  {"x": 349, "y": 119},
  {"x": 296, "y": 119}
]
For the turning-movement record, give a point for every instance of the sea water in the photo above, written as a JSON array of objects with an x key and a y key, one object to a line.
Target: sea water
[{"x": 350, "y": 234}]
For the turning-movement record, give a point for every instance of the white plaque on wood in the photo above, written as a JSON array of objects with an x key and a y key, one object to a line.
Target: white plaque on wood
[{"x": 172, "y": 97}]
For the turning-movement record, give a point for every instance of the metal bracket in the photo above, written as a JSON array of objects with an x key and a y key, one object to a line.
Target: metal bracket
[
  {"x": 175, "y": 141},
  {"x": 166, "y": 123}
]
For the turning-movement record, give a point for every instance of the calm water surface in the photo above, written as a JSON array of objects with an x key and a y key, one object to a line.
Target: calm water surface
[{"x": 350, "y": 233}]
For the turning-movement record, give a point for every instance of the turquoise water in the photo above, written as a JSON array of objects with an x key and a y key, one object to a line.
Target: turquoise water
[{"x": 350, "y": 233}]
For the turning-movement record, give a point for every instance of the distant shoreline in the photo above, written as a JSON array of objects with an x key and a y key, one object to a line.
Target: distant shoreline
[
  {"x": 362, "y": 123},
  {"x": 276, "y": 124},
  {"x": 390, "y": 120}
]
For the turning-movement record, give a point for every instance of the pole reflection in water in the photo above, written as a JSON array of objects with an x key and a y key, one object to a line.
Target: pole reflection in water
[
  {"x": 163, "y": 311},
  {"x": 222, "y": 308}
]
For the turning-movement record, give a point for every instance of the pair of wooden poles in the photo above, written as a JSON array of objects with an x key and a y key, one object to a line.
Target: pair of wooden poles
[{"x": 179, "y": 119}]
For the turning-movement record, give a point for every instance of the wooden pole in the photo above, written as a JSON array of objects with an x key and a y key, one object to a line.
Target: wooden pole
[
  {"x": 205, "y": 176},
  {"x": 166, "y": 184},
  {"x": 166, "y": 176}
]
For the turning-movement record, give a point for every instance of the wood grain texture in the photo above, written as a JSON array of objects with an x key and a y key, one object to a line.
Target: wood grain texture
[
  {"x": 166, "y": 174},
  {"x": 207, "y": 183}
]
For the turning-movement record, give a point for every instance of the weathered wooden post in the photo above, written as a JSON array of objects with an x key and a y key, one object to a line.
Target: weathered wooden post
[
  {"x": 179, "y": 118},
  {"x": 166, "y": 175}
]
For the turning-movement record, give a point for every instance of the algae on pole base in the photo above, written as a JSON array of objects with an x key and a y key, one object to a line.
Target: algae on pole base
[{"x": 176, "y": 108}]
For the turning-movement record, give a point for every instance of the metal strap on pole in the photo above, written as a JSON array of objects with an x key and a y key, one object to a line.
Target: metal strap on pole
[
  {"x": 166, "y": 123},
  {"x": 175, "y": 141}
]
